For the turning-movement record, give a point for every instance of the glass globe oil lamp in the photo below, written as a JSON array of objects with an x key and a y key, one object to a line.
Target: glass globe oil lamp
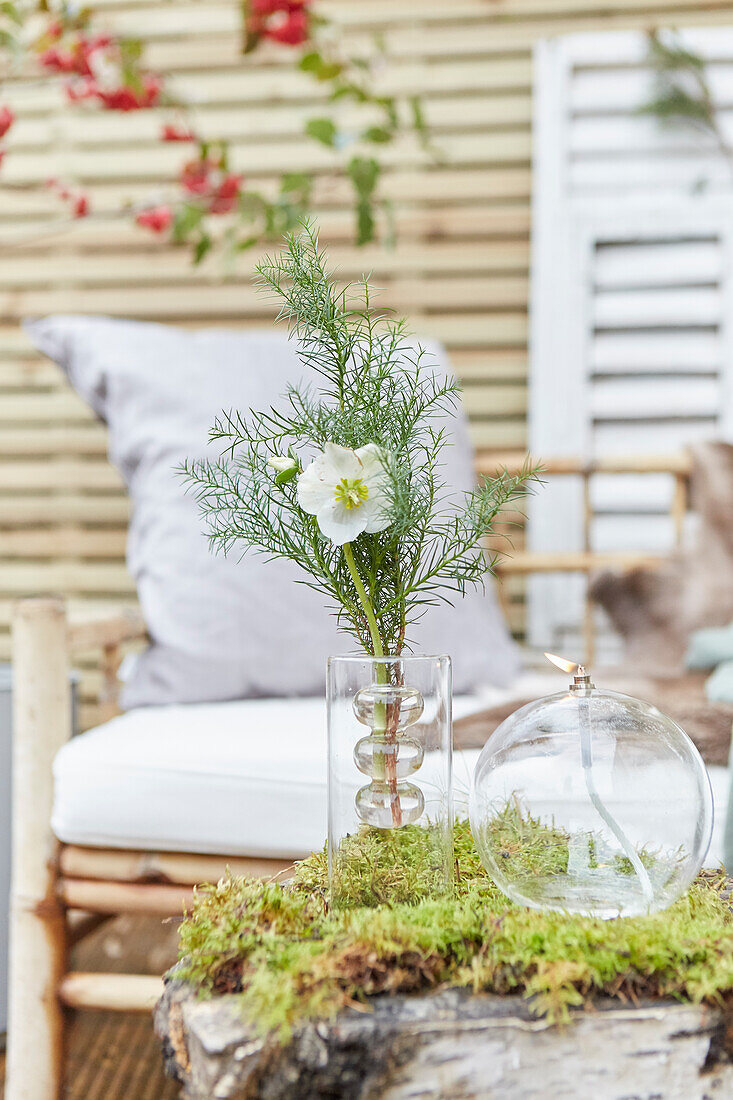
[{"x": 590, "y": 801}]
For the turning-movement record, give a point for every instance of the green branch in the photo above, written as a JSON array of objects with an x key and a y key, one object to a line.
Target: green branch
[
  {"x": 365, "y": 383},
  {"x": 364, "y": 600}
]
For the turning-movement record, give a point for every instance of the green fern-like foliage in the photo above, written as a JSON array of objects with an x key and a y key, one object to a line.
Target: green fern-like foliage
[{"x": 375, "y": 385}]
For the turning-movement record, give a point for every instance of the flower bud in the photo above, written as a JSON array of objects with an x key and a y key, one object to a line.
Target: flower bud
[{"x": 286, "y": 466}]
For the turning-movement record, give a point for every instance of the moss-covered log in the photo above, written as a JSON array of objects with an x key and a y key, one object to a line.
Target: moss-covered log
[
  {"x": 291, "y": 959},
  {"x": 278, "y": 995}
]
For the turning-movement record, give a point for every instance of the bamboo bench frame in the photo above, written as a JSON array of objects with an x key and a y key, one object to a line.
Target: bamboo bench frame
[
  {"x": 58, "y": 891},
  {"x": 588, "y": 561},
  {"x": 52, "y": 881}
]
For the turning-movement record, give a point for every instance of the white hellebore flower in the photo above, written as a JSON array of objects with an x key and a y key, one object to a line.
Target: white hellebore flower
[{"x": 346, "y": 491}]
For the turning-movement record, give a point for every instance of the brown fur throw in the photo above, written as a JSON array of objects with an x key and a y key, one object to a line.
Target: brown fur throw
[{"x": 654, "y": 611}]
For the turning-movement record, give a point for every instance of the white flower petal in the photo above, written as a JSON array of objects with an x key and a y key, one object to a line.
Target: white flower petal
[
  {"x": 340, "y": 524},
  {"x": 315, "y": 487},
  {"x": 370, "y": 457},
  {"x": 341, "y": 462},
  {"x": 374, "y": 474},
  {"x": 377, "y": 504},
  {"x": 376, "y": 511}
]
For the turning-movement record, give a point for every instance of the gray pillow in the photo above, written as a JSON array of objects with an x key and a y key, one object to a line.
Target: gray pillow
[{"x": 224, "y": 628}]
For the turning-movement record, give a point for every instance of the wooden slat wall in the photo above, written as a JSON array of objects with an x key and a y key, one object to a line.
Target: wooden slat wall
[{"x": 460, "y": 269}]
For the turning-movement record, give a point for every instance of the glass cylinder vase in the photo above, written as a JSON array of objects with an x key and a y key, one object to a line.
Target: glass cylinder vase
[{"x": 390, "y": 812}]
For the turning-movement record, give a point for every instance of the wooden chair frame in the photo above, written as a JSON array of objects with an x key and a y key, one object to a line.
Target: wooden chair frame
[{"x": 60, "y": 891}]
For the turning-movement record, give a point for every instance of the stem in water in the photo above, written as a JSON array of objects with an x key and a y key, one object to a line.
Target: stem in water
[{"x": 384, "y": 726}]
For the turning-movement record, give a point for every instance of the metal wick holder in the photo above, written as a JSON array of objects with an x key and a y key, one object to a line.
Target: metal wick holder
[{"x": 582, "y": 683}]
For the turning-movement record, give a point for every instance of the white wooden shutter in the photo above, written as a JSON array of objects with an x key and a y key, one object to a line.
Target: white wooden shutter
[{"x": 631, "y": 297}]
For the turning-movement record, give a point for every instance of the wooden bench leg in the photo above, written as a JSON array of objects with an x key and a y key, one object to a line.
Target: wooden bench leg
[{"x": 41, "y": 725}]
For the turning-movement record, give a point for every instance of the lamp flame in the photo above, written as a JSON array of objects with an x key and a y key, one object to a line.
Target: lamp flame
[{"x": 563, "y": 664}]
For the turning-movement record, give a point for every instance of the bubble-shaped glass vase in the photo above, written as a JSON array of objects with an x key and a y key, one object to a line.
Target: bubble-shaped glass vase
[
  {"x": 589, "y": 801},
  {"x": 390, "y": 820}
]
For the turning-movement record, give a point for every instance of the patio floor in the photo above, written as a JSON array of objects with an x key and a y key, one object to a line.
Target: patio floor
[{"x": 114, "y": 1056}]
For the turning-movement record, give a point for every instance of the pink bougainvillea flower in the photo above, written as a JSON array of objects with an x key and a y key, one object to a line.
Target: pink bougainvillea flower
[
  {"x": 290, "y": 31},
  {"x": 119, "y": 99},
  {"x": 269, "y": 7},
  {"x": 80, "y": 58},
  {"x": 77, "y": 57},
  {"x": 78, "y": 201},
  {"x": 7, "y": 118},
  {"x": 55, "y": 185},
  {"x": 226, "y": 194},
  {"x": 126, "y": 98},
  {"x": 56, "y": 61},
  {"x": 195, "y": 176},
  {"x": 157, "y": 218},
  {"x": 284, "y": 21},
  {"x": 100, "y": 42},
  {"x": 75, "y": 60},
  {"x": 171, "y": 132},
  {"x": 82, "y": 89}
]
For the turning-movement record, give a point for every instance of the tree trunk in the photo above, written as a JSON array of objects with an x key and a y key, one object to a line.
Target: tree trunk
[{"x": 449, "y": 1044}]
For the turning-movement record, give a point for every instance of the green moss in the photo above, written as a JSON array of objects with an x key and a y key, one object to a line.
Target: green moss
[
  {"x": 527, "y": 847},
  {"x": 290, "y": 959},
  {"x": 390, "y": 866}
]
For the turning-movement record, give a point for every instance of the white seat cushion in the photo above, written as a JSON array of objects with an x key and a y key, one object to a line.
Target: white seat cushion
[{"x": 241, "y": 778}]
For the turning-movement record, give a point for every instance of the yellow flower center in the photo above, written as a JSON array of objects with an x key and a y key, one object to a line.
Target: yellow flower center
[{"x": 351, "y": 492}]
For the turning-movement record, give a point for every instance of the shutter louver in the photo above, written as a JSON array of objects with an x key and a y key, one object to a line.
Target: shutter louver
[{"x": 631, "y": 294}]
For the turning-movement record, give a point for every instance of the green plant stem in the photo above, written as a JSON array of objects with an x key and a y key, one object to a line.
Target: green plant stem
[
  {"x": 365, "y": 602},
  {"x": 381, "y": 672}
]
